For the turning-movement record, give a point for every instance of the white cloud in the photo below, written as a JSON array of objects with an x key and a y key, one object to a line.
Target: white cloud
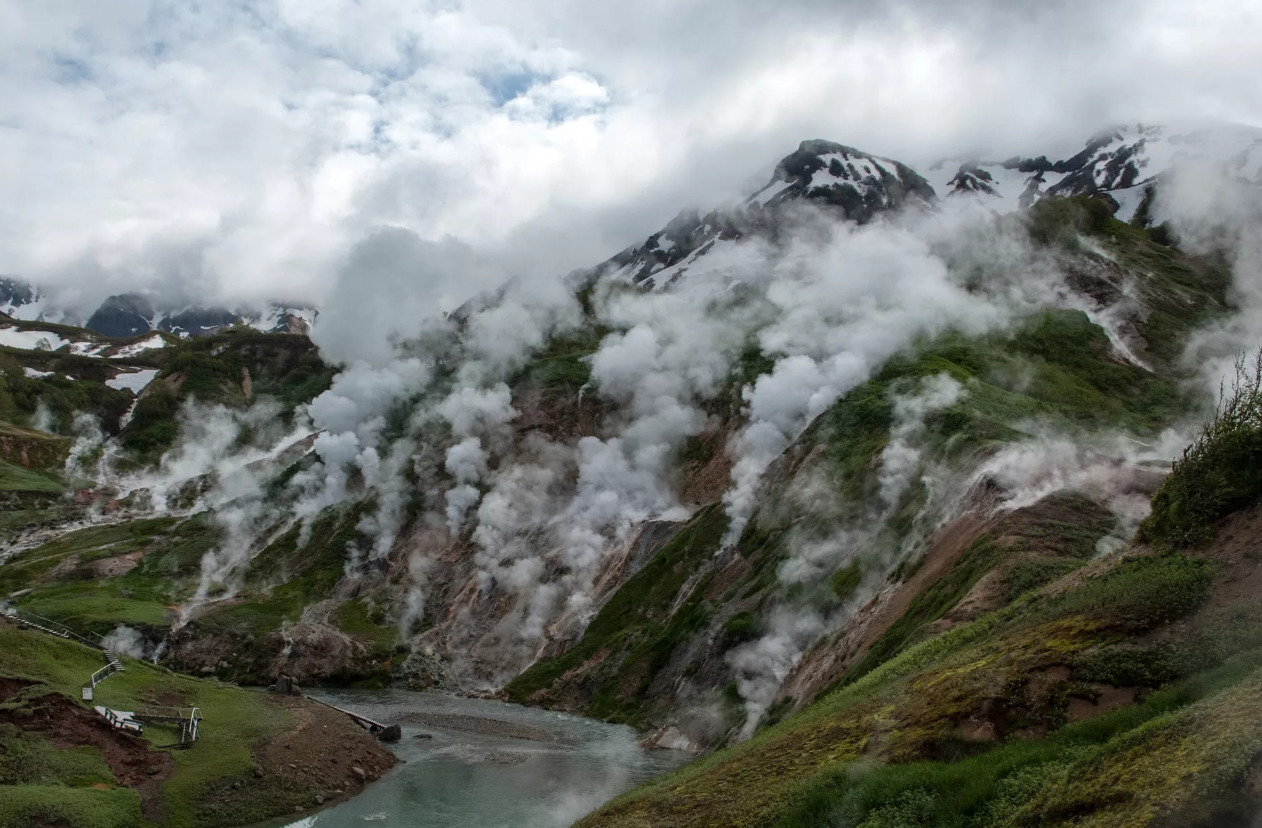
[{"x": 242, "y": 150}]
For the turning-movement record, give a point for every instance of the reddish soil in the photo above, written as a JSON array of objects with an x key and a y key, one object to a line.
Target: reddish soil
[
  {"x": 1237, "y": 580},
  {"x": 117, "y": 565},
  {"x": 824, "y": 664},
  {"x": 1110, "y": 698},
  {"x": 706, "y": 482},
  {"x": 10, "y": 687},
  {"x": 66, "y": 724}
]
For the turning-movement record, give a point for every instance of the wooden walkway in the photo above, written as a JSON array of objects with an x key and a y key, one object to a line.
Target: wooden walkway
[
  {"x": 188, "y": 719},
  {"x": 363, "y": 721}
]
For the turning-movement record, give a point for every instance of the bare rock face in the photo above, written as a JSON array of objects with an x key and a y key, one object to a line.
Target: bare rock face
[
  {"x": 286, "y": 686},
  {"x": 126, "y": 314}
]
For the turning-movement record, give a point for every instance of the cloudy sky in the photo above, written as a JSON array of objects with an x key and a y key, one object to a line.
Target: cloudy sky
[{"x": 237, "y": 149}]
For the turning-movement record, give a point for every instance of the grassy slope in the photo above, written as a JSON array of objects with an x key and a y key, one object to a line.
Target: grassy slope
[
  {"x": 971, "y": 727},
  {"x": 212, "y": 369},
  {"x": 76, "y": 384},
  {"x": 279, "y": 584},
  {"x": 1056, "y": 368},
  {"x": 237, "y": 721},
  {"x": 635, "y": 630},
  {"x": 864, "y": 747},
  {"x": 64, "y": 584}
]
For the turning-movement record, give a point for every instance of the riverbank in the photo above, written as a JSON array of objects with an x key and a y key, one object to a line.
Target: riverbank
[
  {"x": 479, "y": 763},
  {"x": 257, "y": 756}
]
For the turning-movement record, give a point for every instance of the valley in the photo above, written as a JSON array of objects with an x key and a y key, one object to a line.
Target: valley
[{"x": 859, "y": 491}]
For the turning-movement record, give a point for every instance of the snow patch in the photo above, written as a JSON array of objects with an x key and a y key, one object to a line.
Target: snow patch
[
  {"x": 31, "y": 340},
  {"x": 151, "y": 344},
  {"x": 133, "y": 381}
]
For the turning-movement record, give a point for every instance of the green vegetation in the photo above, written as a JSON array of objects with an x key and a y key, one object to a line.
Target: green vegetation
[
  {"x": 1221, "y": 470},
  {"x": 1057, "y": 367},
  {"x": 153, "y": 426},
  {"x": 1179, "y": 291},
  {"x": 72, "y": 806},
  {"x": 73, "y": 384},
  {"x": 635, "y": 632},
  {"x": 153, "y": 563},
  {"x": 17, "y": 479},
  {"x": 1122, "y": 768},
  {"x": 238, "y": 722},
  {"x": 846, "y": 580},
  {"x": 23, "y": 450},
  {"x": 1060, "y": 220},
  {"x": 40, "y": 784},
  {"x": 29, "y": 760},
  {"x": 1055, "y": 538},
  {"x": 231, "y": 368},
  {"x": 564, "y": 366},
  {"x": 367, "y": 625},
  {"x": 285, "y": 578},
  {"x": 902, "y": 719}
]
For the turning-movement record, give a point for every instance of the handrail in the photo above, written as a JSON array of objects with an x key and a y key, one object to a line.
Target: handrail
[
  {"x": 188, "y": 718},
  {"x": 363, "y": 721},
  {"x": 47, "y": 625}
]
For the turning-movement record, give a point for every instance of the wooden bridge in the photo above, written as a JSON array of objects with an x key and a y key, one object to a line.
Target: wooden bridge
[
  {"x": 384, "y": 732},
  {"x": 187, "y": 719}
]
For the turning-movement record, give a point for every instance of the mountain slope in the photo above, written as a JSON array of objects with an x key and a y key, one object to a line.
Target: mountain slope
[
  {"x": 1126, "y": 693},
  {"x": 729, "y": 487},
  {"x": 850, "y": 184}
]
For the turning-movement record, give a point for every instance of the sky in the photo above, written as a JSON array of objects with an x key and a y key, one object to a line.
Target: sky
[{"x": 245, "y": 151}]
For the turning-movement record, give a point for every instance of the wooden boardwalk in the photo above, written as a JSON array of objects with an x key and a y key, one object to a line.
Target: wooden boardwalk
[
  {"x": 188, "y": 719},
  {"x": 363, "y": 721}
]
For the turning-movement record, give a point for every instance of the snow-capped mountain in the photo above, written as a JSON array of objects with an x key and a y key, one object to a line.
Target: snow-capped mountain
[
  {"x": 130, "y": 314},
  {"x": 856, "y": 185},
  {"x": 1122, "y": 162}
]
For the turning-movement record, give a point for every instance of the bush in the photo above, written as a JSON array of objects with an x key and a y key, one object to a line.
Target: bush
[
  {"x": 1123, "y": 665},
  {"x": 1219, "y": 473},
  {"x": 1139, "y": 594}
]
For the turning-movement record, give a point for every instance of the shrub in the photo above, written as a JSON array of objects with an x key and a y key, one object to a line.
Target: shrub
[
  {"x": 1139, "y": 594},
  {"x": 1123, "y": 665},
  {"x": 1219, "y": 473}
]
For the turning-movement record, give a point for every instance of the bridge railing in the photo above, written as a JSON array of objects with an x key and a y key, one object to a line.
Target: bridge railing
[{"x": 188, "y": 719}]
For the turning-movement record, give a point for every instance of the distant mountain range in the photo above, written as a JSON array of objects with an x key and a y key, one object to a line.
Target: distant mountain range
[
  {"x": 131, "y": 314},
  {"x": 1123, "y": 164}
]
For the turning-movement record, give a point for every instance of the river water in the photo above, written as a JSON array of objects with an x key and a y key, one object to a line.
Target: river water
[{"x": 488, "y": 764}]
